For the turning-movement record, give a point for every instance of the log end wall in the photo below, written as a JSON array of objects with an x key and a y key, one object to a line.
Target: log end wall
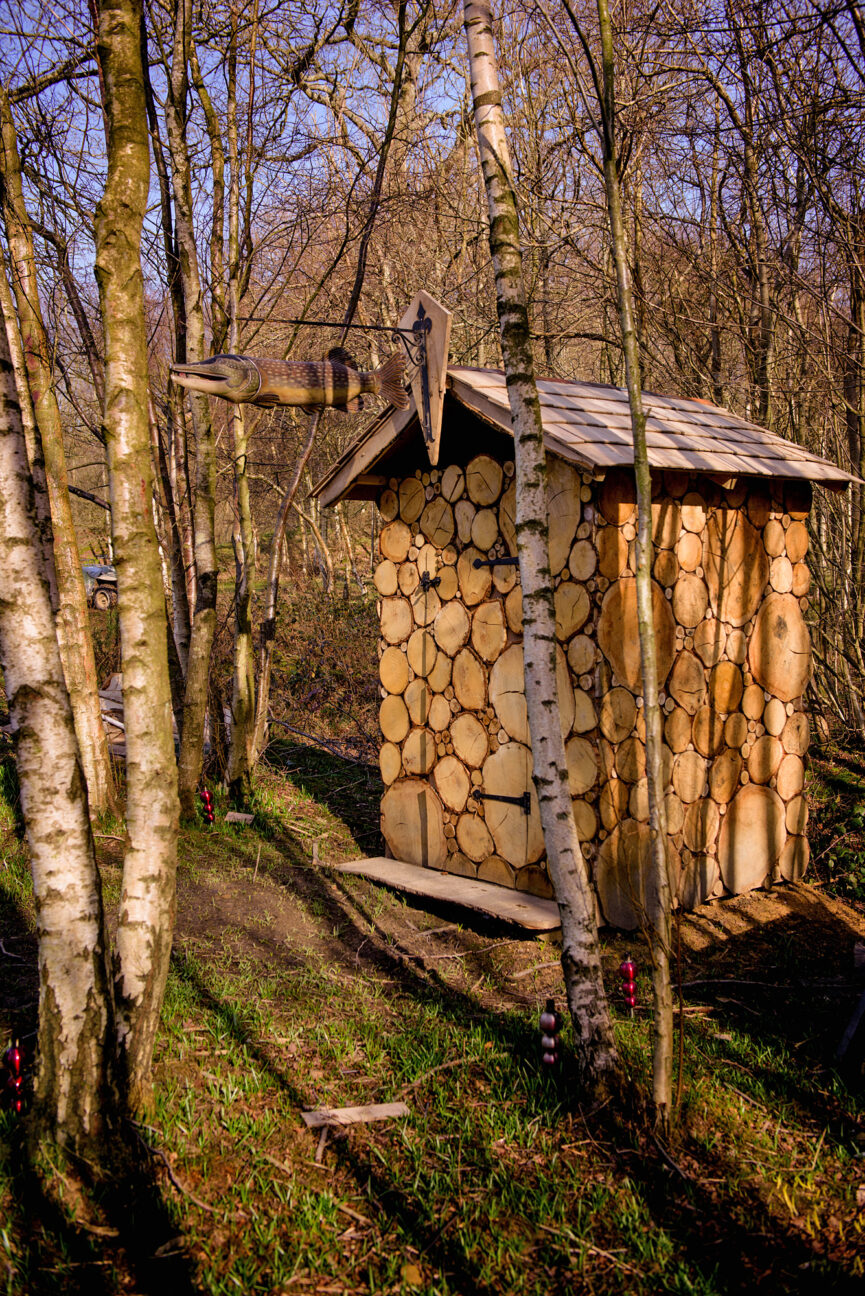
[{"x": 731, "y": 587}]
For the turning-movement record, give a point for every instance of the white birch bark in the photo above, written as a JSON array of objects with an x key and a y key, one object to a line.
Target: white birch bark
[
  {"x": 74, "y": 1038},
  {"x": 73, "y": 626},
  {"x": 32, "y": 435},
  {"x": 581, "y": 963},
  {"x": 146, "y": 923}
]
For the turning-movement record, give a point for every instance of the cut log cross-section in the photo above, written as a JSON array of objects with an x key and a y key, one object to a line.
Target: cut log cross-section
[
  {"x": 734, "y": 662},
  {"x": 484, "y": 479},
  {"x": 518, "y": 836},
  {"x": 618, "y": 637},
  {"x": 413, "y": 823},
  {"x": 736, "y": 567}
]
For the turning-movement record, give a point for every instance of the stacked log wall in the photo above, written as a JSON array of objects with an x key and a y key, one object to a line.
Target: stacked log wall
[{"x": 731, "y": 584}]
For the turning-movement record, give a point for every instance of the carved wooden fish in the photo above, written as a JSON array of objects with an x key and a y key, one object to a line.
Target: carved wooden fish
[{"x": 335, "y": 382}]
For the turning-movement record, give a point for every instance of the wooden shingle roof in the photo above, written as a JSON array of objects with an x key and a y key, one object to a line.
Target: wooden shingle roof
[{"x": 589, "y": 424}]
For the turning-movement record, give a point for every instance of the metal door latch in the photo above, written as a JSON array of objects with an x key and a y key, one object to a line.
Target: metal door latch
[{"x": 525, "y": 800}]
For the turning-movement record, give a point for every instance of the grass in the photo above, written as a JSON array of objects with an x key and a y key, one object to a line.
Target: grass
[{"x": 293, "y": 987}]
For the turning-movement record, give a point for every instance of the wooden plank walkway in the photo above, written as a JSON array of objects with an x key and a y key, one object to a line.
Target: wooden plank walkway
[{"x": 531, "y": 912}]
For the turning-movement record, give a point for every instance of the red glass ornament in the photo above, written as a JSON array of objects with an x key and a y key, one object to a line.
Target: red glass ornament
[
  {"x": 13, "y": 1058},
  {"x": 628, "y": 973},
  {"x": 550, "y": 1023}
]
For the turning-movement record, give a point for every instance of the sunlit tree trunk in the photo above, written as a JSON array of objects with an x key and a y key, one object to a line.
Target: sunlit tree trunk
[
  {"x": 204, "y": 604},
  {"x": 73, "y": 626},
  {"x": 241, "y": 754},
  {"x": 32, "y": 437},
  {"x": 71, "y": 1097},
  {"x": 145, "y": 928},
  {"x": 659, "y": 908},
  {"x": 596, "y": 1051}
]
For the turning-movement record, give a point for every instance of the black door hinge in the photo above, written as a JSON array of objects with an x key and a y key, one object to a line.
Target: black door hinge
[
  {"x": 525, "y": 800},
  {"x": 496, "y": 562}
]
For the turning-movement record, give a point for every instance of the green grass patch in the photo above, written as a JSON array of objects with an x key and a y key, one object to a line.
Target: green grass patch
[{"x": 293, "y": 987}]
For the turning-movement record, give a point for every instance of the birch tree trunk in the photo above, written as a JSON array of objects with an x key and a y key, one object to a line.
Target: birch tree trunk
[
  {"x": 73, "y": 626},
  {"x": 659, "y": 915},
  {"x": 581, "y": 964},
  {"x": 144, "y": 933},
  {"x": 32, "y": 438},
  {"x": 204, "y": 604},
  {"x": 74, "y": 1038},
  {"x": 241, "y": 753}
]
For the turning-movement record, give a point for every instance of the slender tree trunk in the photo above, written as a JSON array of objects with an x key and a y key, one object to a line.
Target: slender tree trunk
[
  {"x": 322, "y": 548},
  {"x": 349, "y": 549},
  {"x": 173, "y": 544},
  {"x": 147, "y": 902},
  {"x": 268, "y": 626},
  {"x": 71, "y": 1098},
  {"x": 204, "y": 605},
  {"x": 32, "y": 437},
  {"x": 73, "y": 625},
  {"x": 581, "y": 963},
  {"x": 241, "y": 753},
  {"x": 659, "y": 915}
]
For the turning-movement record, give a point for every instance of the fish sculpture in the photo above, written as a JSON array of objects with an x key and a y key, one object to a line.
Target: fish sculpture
[{"x": 335, "y": 382}]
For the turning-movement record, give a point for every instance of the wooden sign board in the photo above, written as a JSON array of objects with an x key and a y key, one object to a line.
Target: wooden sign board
[{"x": 437, "y": 347}]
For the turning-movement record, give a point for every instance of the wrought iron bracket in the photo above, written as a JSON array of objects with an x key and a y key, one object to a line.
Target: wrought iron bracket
[
  {"x": 496, "y": 562},
  {"x": 414, "y": 341},
  {"x": 525, "y": 800},
  {"x": 428, "y": 582}
]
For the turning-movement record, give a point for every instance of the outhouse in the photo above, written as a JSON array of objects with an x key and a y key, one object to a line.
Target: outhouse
[{"x": 731, "y": 583}]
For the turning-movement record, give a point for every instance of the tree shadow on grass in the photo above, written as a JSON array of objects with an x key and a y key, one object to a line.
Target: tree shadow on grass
[
  {"x": 350, "y": 789},
  {"x": 726, "y": 1235},
  {"x": 52, "y": 1254}
]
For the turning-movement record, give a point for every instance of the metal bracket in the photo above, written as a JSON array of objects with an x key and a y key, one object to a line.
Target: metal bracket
[
  {"x": 414, "y": 342},
  {"x": 525, "y": 800},
  {"x": 427, "y": 582},
  {"x": 496, "y": 562}
]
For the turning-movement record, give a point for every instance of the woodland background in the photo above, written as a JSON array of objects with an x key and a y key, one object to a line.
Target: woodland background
[{"x": 318, "y": 161}]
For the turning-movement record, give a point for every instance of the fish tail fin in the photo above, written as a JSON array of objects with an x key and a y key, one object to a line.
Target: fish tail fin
[{"x": 390, "y": 378}]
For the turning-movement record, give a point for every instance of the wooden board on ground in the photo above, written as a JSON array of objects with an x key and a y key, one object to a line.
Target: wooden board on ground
[
  {"x": 334, "y": 1116},
  {"x": 531, "y": 912}
]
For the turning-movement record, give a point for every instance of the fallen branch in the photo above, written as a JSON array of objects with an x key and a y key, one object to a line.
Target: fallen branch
[
  {"x": 160, "y": 1155},
  {"x": 446, "y": 1066},
  {"x": 320, "y": 742},
  {"x": 539, "y": 967},
  {"x": 791, "y": 986},
  {"x": 668, "y": 1160},
  {"x": 593, "y": 1250},
  {"x": 483, "y": 949}
]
